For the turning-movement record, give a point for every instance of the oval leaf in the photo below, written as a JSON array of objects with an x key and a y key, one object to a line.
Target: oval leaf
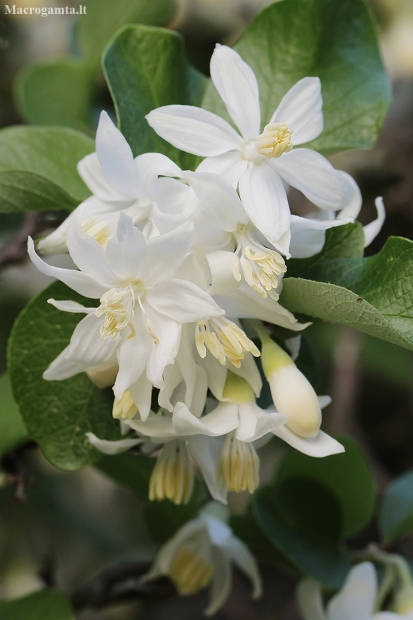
[{"x": 396, "y": 509}]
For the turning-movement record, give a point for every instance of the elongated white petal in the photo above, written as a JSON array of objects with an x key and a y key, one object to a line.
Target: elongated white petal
[
  {"x": 244, "y": 559},
  {"x": 194, "y": 130},
  {"x": 354, "y": 198},
  {"x": 70, "y": 306},
  {"x": 182, "y": 301},
  {"x": 132, "y": 357},
  {"x": 76, "y": 280},
  {"x": 310, "y": 600},
  {"x": 313, "y": 175},
  {"x": 221, "y": 581},
  {"x": 115, "y": 156},
  {"x": 155, "y": 426},
  {"x": 112, "y": 447},
  {"x": 218, "y": 197},
  {"x": 166, "y": 252},
  {"x": 127, "y": 250},
  {"x": 301, "y": 108},
  {"x": 206, "y": 452},
  {"x": 319, "y": 446},
  {"x": 141, "y": 392},
  {"x": 236, "y": 83},
  {"x": 372, "y": 230},
  {"x": 265, "y": 202},
  {"x": 86, "y": 350},
  {"x": 324, "y": 401},
  {"x": 163, "y": 353},
  {"x": 91, "y": 173},
  {"x": 148, "y": 167},
  {"x": 221, "y": 264},
  {"x": 356, "y": 598},
  {"x": 308, "y": 235},
  {"x": 231, "y": 166},
  {"x": 265, "y": 422},
  {"x": 218, "y": 422}
]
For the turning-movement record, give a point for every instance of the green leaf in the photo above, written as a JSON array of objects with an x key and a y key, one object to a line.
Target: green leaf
[
  {"x": 12, "y": 429},
  {"x": 302, "y": 519},
  {"x": 38, "y": 168},
  {"x": 146, "y": 68},
  {"x": 104, "y": 17},
  {"x": 346, "y": 475},
  {"x": 132, "y": 471},
  {"x": 57, "y": 92},
  {"x": 43, "y": 605},
  {"x": 337, "y": 42},
  {"x": 371, "y": 294},
  {"x": 57, "y": 413},
  {"x": 396, "y": 509}
]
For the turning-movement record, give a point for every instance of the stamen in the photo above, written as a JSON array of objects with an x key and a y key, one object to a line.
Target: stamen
[
  {"x": 172, "y": 477},
  {"x": 225, "y": 340},
  {"x": 239, "y": 465},
  {"x": 190, "y": 571},
  {"x": 118, "y": 305},
  {"x": 124, "y": 408},
  {"x": 275, "y": 140}
]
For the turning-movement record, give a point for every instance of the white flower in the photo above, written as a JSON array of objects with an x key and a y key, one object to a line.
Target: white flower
[
  {"x": 258, "y": 163},
  {"x": 142, "y": 306},
  {"x": 355, "y": 601},
  {"x": 200, "y": 554}
]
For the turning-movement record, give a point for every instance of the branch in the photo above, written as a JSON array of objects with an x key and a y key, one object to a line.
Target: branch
[
  {"x": 121, "y": 583},
  {"x": 16, "y": 250}
]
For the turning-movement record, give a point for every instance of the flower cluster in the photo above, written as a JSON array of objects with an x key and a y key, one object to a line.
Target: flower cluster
[{"x": 184, "y": 268}]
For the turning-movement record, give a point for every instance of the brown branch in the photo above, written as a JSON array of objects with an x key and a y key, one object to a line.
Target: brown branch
[
  {"x": 16, "y": 251},
  {"x": 121, "y": 583}
]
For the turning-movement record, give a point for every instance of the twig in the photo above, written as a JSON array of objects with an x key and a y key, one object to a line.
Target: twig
[
  {"x": 16, "y": 250},
  {"x": 121, "y": 583}
]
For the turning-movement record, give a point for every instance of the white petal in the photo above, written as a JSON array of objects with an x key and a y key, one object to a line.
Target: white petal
[
  {"x": 320, "y": 446},
  {"x": 194, "y": 130},
  {"x": 357, "y": 596},
  {"x": 219, "y": 422},
  {"x": 301, "y": 108},
  {"x": 127, "y": 250},
  {"x": 265, "y": 202},
  {"x": 76, "y": 280},
  {"x": 148, "y": 167},
  {"x": 249, "y": 371},
  {"x": 222, "y": 278},
  {"x": 388, "y": 615},
  {"x": 372, "y": 230},
  {"x": 313, "y": 175},
  {"x": 236, "y": 83},
  {"x": 112, "y": 447},
  {"x": 354, "y": 198},
  {"x": 163, "y": 353},
  {"x": 166, "y": 252},
  {"x": 91, "y": 173},
  {"x": 308, "y": 234},
  {"x": 218, "y": 197},
  {"x": 155, "y": 426},
  {"x": 243, "y": 558},
  {"x": 206, "y": 452},
  {"x": 310, "y": 600},
  {"x": 115, "y": 156},
  {"x": 132, "y": 357},
  {"x": 221, "y": 581},
  {"x": 266, "y": 422},
  {"x": 70, "y": 306},
  {"x": 231, "y": 166},
  {"x": 86, "y": 350},
  {"x": 324, "y": 401},
  {"x": 182, "y": 301},
  {"x": 141, "y": 392}
]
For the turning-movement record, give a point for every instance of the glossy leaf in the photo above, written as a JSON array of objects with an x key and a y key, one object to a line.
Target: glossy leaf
[
  {"x": 337, "y": 42},
  {"x": 396, "y": 509},
  {"x": 57, "y": 413},
  {"x": 43, "y": 605},
  {"x": 146, "y": 68},
  {"x": 12, "y": 428},
  {"x": 38, "y": 168}
]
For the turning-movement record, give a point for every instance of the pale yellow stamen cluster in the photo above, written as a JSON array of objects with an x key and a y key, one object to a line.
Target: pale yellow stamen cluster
[
  {"x": 239, "y": 465},
  {"x": 190, "y": 571},
  {"x": 225, "y": 340},
  {"x": 119, "y": 306},
  {"x": 124, "y": 408},
  {"x": 275, "y": 140},
  {"x": 172, "y": 477},
  {"x": 98, "y": 229},
  {"x": 261, "y": 269}
]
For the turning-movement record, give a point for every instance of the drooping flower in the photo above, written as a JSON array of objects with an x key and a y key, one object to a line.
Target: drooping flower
[
  {"x": 258, "y": 162},
  {"x": 200, "y": 555}
]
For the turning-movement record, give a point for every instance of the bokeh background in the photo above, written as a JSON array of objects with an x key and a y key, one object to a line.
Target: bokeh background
[{"x": 63, "y": 528}]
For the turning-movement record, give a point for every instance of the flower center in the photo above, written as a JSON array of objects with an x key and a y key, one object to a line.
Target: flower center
[
  {"x": 119, "y": 306},
  {"x": 239, "y": 465},
  {"x": 260, "y": 266},
  {"x": 172, "y": 477},
  {"x": 190, "y": 571},
  {"x": 224, "y": 339},
  {"x": 275, "y": 140},
  {"x": 98, "y": 229},
  {"x": 124, "y": 408}
]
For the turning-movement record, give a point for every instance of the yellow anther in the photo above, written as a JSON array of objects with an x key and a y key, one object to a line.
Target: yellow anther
[
  {"x": 239, "y": 465},
  {"x": 119, "y": 306},
  {"x": 124, "y": 408},
  {"x": 190, "y": 571},
  {"x": 275, "y": 140},
  {"x": 172, "y": 477},
  {"x": 225, "y": 340}
]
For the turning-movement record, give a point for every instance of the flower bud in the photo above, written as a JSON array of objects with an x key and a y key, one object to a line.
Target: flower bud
[{"x": 292, "y": 393}]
